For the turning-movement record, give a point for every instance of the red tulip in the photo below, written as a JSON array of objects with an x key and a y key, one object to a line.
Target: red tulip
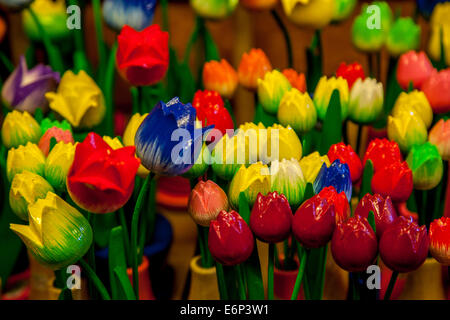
[
  {"x": 437, "y": 90},
  {"x": 413, "y": 67},
  {"x": 211, "y": 109},
  {"x": 59, "y": 135},
  {"x": 143, "y": 56},
  {"x": 350, "y": 72},
  {"x": 382, "y": 152},
  {"x": 394, "y": 180},
  {"x": 440, "y": 240},
  {"x": 354, "y": 244},
  {"x": 230, "y": 239},
  {"x": 382, "y": 209},
  {"x": 101, "y": 179},
  {"x": 206, "y": 200},
  {"x": 404, "y": 245},
  {"x": 340, "y": 201},
  {"x": 346, "y": 155},
  {"x": 271, "y": 217},
  {"x": 314, "y": 222}
]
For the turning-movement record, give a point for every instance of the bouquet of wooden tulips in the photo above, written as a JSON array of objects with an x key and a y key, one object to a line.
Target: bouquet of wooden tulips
[{"x": 285, "y": 204}]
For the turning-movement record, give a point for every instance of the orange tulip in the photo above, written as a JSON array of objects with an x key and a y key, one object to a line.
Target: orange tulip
[
  {"x": 220, "y": 77},
  {"x": 2, "y": 29},
  {"x": 297, "y": 80},
  {"x": 253, "y": 66}
]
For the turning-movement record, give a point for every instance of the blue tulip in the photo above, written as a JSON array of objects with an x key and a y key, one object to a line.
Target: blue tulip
[
  {"x": 337, "y": 175},
  {"x": 426, "y": 7},
  {"x": 137, "y": 14},
  {"x": 167, "y": 141}
]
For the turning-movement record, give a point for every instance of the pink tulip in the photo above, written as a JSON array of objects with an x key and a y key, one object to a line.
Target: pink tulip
[
  {"x": 437, "y": 90},
  {"x": 414, "y": 67}
]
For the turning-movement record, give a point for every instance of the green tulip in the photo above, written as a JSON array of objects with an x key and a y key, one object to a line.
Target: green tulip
[
  {"x": 403, "y": 36},
  {"x": 426, "y": 165}
]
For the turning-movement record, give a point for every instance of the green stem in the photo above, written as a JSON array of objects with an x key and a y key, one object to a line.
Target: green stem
[
  {"x": 95, "y": 280},
  {"x": 355, "y": 283},
  {"x": 391, "y": 285},
  {"x": 301, "y": 271},
  {"x": 91, "y": 254},
  {"x": 286, "y": 36},
  {"x": 53, "y": 54},
  {"x": 99, "y": 35},
  {"x": 165, "y": 15},
  {"x": 192, "y": 40},
  {"x": 134, "y": 232},
  {"x": 6, "y": 62},
  {"x": 221, "y": 282},
  {"x": 240, "y": 277},
  {"x": 126, "y": 236},
  {"x": 201, "y": 244},
  {"x": 135, "y": 98},
  {"x": 270, "y": 295},
  {"x": 109, "y": 90}
]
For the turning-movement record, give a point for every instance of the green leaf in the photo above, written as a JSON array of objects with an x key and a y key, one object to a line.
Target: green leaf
[
  {"x": 102, "y": 228},
  {"x": 366, "y": 182},
  {"x": 332, "y": 126},
  {"x": 371, "y": 219},
  {"x": 262, "y": 116},
  {"x": 309, "y": 191},
  {"x": 38, "y": 115},
  {"x": 244, "y": 209},
  {"x": 315, "y": 272},
  {"x": 211, "y": 50},
  {"x": 126, "y": 290},
  {"x": 314, "y": 62}
]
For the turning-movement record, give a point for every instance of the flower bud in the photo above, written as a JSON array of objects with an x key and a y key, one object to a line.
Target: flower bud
[
  {"x": 414, "y": 103},
  {"x": 440, "y": 137},
  {"x": 407, "y": 130},
  {"x": 382, "y": 152},
  {"x": 297, "y": 80},
  {"x": 437, "y": 90},
  {"x": 58, "y": 163},
  {"x": 271, "y": 217},
  {"x": 323, "y": 92},
  {"x": 350, "y": 72},
  {"x": 298, "y": 111},
  {"x": 426, "y": 166},
  {"x": 311, "y": 165},
  {"x": 282, "y": 143},
  {"x": 403, "y": 36},
  {"x": 346, "y": 155},
  {"x": 287, "y": 178},
  {"x": 56, "y": 133},
  {"x": 221, "y": 77},
  {"x": 337, "y": 176},
  {"x": 366, "y": 101},
  {"x": 394, "y": 180},
  {"x": 404, "y": 245},
  {"x": 19, "y": 128},
  {"x": 206, "y": 200},
  {"x": 253, "y": 66},
  {"x": 271, "y": 90},
  {"x": 413, "y": 67},
  {"x": 28, "y": 157},
  {"x": 354, "y": 244},
  {"x": 440, "y": 240},
  {"x": 230, "y": 239}
]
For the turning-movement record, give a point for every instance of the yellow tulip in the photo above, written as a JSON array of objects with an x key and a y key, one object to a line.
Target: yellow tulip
[
  {"x": 271, "y": 90},
  {"x": 282, "y": 143},
  {"x": 311, "y": 165},
  {"x": 78, "y": 99},
  {"x": 57, "y": 235},
  {"x": 309, "y": 13},
  {"x": 415, "y": 103},
  {"x": 19, "y": 128},
  {"x": 132, "y": 126},
  {"x": 28, "y": 157},
  {"x": 251, "y": 181},
  {"x": 297, "y": 110},
  {"x": 407, "y": 130},
  {"x": 323, "y": 92},
  {"x": 26, "y": 189},
  {"x": 434, "y": 45},
  {"x": 58, "y": 163},
  {"x": 440, "y": 14}
]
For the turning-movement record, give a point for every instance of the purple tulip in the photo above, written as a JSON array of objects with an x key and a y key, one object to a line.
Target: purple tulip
[{"x": 24, "y": 90}]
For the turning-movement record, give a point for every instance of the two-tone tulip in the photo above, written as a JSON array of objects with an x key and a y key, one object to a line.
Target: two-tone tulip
[
  {"x": 314, "y": 222},
  {"x": 382, "y": 208},
  {"x": 382, "y": 152},
  {"x": 58, "y": 163},
  {"x": 311, "y": 165},
  {"x": 440, "y": 137},
  {"x": 230, "y": 239},
  {"x": 251, "y": 181},
  {"x": 19, "y": 128},
  {"x": 323, "y": 92},
  {"x": 394, "y": 180},
  {"x": 337, "y": 176},
  {"x": 206, "y": 200},
  {"x": 220, "y": 76},
  {"x": 404, "y": 245},
  {"x": 413, "y": 67},
  {"x": 354, "y": 245},
  {"x": 313, "y": 14},
  {"x": 350, "y": 72},
  {"x": 26, "y": 189},
  {"x": 437, "y": 90},
  {"x": 403, "y": 36},
  {"x": 214, "y": 9},
  {"x": 271, "y": 90},
  {"x": 24, "y": 90},
  {"x": 366, "y": 101},
  {"x": 440, "y": 240},
  {"x": 345, "y": 154},
  {"x": 286, "y": 177},
  {"x": 58, "y": 235},
  {"x": 78, "y": 99},
  {"x": 25, "y": 158},
  {"x": 414, "y": 103},
  {"x": 426, "y": 165},
  {"x": 298, "y": 111},
  {"x": 253, "y": 66},
  {"x": 271, "y": 217},
  {"x": 407, "y": 130}
]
